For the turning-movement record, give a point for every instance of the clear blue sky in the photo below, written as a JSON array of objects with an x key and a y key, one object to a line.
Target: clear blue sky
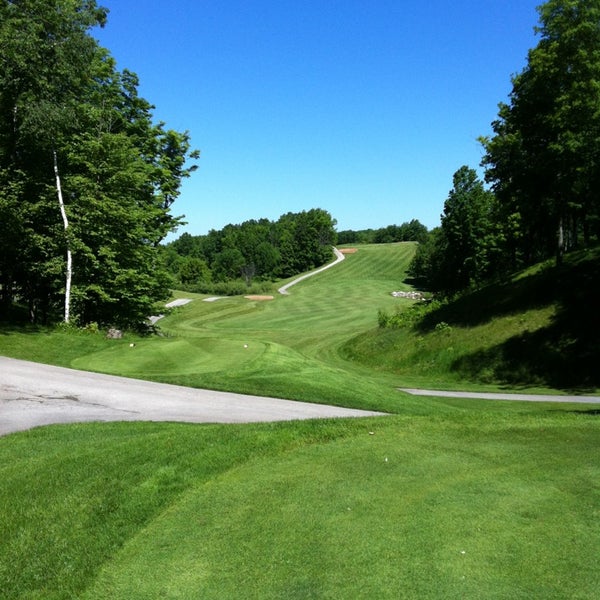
[{"x": 364, "y": 109}]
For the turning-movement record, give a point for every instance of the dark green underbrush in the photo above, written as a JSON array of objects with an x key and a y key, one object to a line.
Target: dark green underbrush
[{"x": 236, "y": 287}]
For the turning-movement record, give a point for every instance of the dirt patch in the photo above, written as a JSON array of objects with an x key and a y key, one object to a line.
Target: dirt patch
[
  {"x": 348, "y": 250},
  {"x": 259, "y": 297}
]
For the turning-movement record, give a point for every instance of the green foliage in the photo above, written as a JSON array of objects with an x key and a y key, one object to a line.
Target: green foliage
[
  {"x": 412, "y": 231},
  {"x": 461, "y": 253},
  {"x": 443, "y": 327},
  {"x": 61, "y": 95},
  {"x": 542, "y": 158},
  {"x": 193, "y": 270},
  {"x": 263, "y": 250},
  {"x": 409, "y": 316},
  {"x": 231, "y": 287}
]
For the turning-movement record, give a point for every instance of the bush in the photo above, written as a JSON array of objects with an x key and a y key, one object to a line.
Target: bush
[
  {"x": 410, "y": 316},
  {"x": 236, "y": 287}
]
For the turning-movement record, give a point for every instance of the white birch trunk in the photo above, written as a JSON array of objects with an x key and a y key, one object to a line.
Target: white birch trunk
[
  {"x": 561, "y": 241},
  {"x": 69, "y": 256}
]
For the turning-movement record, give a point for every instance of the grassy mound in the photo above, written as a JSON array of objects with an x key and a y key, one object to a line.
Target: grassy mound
[{"x": 540, "y": 329}]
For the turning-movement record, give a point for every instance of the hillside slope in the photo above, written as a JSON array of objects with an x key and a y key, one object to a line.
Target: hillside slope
[{"x": 539, "y": 329}]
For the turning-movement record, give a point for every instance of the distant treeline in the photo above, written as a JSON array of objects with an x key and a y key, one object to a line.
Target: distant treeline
[
  {"x": 413, "y": 231},
  {"x": 233, "y": 258},
  {"x": 257, "y": 252}
]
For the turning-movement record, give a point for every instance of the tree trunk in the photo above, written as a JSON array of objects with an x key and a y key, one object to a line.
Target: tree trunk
[
  {"x": 560, "y": 247},
  {"x": 69, "y": 256}
]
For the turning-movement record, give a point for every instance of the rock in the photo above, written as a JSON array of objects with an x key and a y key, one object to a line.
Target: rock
[
  {"x": 411, "y": 295},
  {"x": 114, "y": 334}
]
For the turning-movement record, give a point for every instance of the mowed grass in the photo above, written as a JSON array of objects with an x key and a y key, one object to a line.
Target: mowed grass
[
  {"x": 286, "y": 347},
  {"x": 446, "y": 498},
  {"x": 478, "y": 504}
]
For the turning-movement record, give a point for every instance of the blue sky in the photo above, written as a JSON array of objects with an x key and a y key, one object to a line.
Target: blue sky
[{"x": 364, "y": 109}]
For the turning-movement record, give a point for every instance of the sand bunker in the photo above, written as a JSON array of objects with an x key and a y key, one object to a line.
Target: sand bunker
[{"x": 348, "y": 250}]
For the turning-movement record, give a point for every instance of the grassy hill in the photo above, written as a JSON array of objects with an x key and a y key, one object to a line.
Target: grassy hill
[
  {"x": 539, "y": 329},
  {"x": 442, "y": 498}
]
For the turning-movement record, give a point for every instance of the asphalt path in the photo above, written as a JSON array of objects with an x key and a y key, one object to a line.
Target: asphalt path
[
  {"x": 504, "y": 396},
  {"x": 339, "y": 258},
  {"x": 33, "y": 394}
]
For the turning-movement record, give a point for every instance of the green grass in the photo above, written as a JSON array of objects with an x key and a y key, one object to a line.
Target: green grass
[
  {"x": 476, "y": 504},
  {"x": 292, "y": 341},
  {"x": 539, "y": 330},
  {"x": 445, "y": 498}
]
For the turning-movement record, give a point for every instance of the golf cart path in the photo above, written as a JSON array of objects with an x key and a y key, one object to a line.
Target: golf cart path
[
  {"x": 33, "y": 394},
  {"x": 339, "y": 258},
  {"x": 504, "y": 396}
]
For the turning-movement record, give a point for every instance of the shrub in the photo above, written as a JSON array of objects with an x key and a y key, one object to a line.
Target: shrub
[{"x": 410, "y": 316}]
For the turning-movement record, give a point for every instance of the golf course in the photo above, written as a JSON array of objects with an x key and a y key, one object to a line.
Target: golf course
[{"x": 440, "y": 498}]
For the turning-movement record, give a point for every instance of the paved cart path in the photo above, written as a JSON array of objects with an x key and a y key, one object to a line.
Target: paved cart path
[
  {"x": 339, "y": 258},
  {"x": 33, "y": 394},
  {"x": 504, "y": 396}
]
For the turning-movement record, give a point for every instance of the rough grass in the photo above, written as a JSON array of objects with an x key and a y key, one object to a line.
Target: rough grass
[{"x": 540, "y": 329}]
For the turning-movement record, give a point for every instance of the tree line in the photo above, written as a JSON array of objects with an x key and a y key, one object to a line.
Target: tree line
[
  {"x": 410, "y": 231},
  {"x": 256, "y": 250},
  {"x": 87, "y": 178},
  {"x": 542, "y": 164}
]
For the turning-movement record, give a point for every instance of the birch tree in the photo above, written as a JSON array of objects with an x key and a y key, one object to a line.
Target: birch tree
[{"x": 73, "y": 127}]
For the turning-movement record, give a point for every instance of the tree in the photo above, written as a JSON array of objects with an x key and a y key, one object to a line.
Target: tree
[
  {"x": 45, "y": 53},
  {"x": 427, "y": 265},
  {"x": 228, "y": 264},
  {"x": 460, "y": 253},
  {"x": 304, "y": 240},
  {"x": 413, "y": 231},
  {"x": 466, "y": 226},
  {"x": 73, "y": 126},
  {"x": 543, "y": 159},
  {"x": 194, "y": 270}
]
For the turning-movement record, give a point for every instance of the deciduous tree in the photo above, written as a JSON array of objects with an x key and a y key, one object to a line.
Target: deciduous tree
[
  {"x": 71, "y": 122},
  {"x": 543, "y": 159}
]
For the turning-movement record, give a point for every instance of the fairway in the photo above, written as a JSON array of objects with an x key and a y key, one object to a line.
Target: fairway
[{"x": 286, "y": 347}]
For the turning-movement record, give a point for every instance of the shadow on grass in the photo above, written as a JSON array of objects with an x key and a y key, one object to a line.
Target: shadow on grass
[
  {"x": 552, "y": 356},
  {"x": 563, "y": 355},
  {"x": 586, "y": 413},
  {"x": 12, "y": 328}
]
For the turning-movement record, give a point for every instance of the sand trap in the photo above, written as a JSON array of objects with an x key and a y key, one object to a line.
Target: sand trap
[
  {"x": 178, "y": 302},
  {"x": 348, "y": 250},
  {"x": 212, "y": 299},
  {"x": 259, "y": 297}
]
